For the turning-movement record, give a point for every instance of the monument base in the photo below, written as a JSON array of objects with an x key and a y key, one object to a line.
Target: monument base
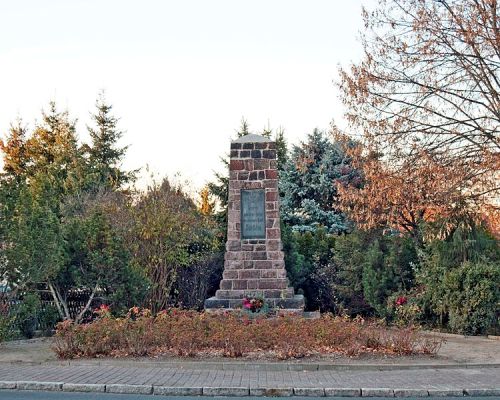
[{"x": 294, "y": 304}]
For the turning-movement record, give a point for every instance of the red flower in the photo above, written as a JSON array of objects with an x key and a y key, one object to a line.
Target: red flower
[
  {"x": 401, "y": 300},
  {"x": 247, "y": 303}
]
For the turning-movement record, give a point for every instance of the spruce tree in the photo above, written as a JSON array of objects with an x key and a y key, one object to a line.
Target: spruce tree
[{"x": 105, "y": 156}]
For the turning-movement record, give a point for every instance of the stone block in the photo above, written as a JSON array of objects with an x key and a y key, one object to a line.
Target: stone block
[
  {"x": 411, "y": 393},
  {"x": 243, "y": 175},
  {"x": 274, "y": 245},
  {"x": 248, "y": 146},
  {"x": 271, "y": 174},
  {"x": 445, "y": 392},
  {"x": 259, "y": 255},
  {"x": 236, "y": 165},
  {"x": 482, "y": 392},
  {"x": 249, "y": 274},
  {"x": 248, "y": 165},
  {"x": 272, "y": 284},
  {"x": 271, "y": 154},
  {"x": 268, "y": 273},
  {"x": 244, "y": 154},
  {"x": 177, "y": 391},
  {"x": 240, "y": 284},
  {"x": 84, "y": 387},
  {"x": 274, "y": 233},
  {"x": 262, "y": 264},
  {"x": 7, "y": 385},
  {"x": 230, "y": 274},
  {"x": 292, "y": 302},
  {"x": 253, "y": 284},
  {"x": 272, "y": 195},
  {"x": 226, "y": 391},
  {"x": 257, "y": 154},
  {"x": 270, "y": 183},
  {"x": 271, "y": 392},
  {"x": 226, "y": 284},
  {"x": 309, "y": 392},
  {"x": 129, "y": 389},
  {"x": 235, "y": 146},
  {"x": 34, "y": 385},
  {"x": 377, "y": 392},
  {"x": 342, "y": 392},
  {"x": 261, "y": 164},
  {"x": 262, "y": 146}
]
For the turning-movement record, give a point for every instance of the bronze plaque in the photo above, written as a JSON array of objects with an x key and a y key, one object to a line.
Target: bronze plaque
[{"x": 253, "y": 214}]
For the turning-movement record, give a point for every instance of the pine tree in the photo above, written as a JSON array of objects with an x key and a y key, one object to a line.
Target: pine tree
[
  {"x": 307, "y": 184},
  {"x": 244, "y": 128},
  {"x": 104, "y": 154}
]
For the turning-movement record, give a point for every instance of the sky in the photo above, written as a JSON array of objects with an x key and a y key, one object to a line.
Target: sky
[{"x": 180, "y": 74}]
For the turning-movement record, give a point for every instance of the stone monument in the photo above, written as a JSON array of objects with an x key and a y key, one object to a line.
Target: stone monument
[{"x": 254, "y": 264}]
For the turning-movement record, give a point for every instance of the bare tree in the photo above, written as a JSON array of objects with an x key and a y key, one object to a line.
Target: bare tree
[{"x": 429, "y": 84}]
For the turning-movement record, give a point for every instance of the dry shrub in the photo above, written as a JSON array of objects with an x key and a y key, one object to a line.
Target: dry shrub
[{"x": 190, "y": 333}]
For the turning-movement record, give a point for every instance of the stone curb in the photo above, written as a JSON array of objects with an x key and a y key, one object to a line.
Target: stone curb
[
  {"x": 83, "y": 387},
  {"x": 245, "y": 391},
  {"x": 272, "y": 366}
]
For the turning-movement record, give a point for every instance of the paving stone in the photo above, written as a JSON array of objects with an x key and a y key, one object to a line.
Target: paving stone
[
  {"x": 342, "y": 392},
  {"x": 482, "y": 392},
  {"x": 226, "y": 391},
  {"x": 309, "y": 391},
  {"x": 177, "y": 391},
  {"x": 377, "y": 392},
  {"x": 271, "y": 392},
  {"x": 129, "y": 389},
  {"x": 411, "y": 393},
  {"x": 7, "y": 385},
  {"x": 445, "y": 392},
  {"x": 34, "y": 385},
  {"x": 83, "y": 387}
]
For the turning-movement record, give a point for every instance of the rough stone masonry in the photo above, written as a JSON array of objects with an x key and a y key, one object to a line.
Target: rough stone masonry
[{"x": 254, "y": 261}]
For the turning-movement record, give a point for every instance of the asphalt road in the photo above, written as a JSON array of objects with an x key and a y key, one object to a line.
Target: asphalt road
[{"x": 27, "y": 395}]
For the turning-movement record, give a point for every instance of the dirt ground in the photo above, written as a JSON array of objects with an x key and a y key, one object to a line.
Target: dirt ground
[{"x": 455, "y": 349}]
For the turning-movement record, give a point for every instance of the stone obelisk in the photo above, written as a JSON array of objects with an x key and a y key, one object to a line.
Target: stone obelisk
[{"x": 254, "y": 263}]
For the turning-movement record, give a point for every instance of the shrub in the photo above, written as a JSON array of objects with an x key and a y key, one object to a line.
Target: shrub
[
  {"x": 189, "y": 333},
  {"x": 473, "y": 297},
  {"x": 6, "y": 321},
  {"x": 26, "y": 313},
  {"x": 461, "y": 280}
]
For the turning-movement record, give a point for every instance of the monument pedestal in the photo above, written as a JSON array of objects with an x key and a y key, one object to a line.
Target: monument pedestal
[{"x": 254, "y": 263}]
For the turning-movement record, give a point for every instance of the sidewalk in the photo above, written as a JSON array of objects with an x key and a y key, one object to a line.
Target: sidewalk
[{"x": 464, "y": 366}]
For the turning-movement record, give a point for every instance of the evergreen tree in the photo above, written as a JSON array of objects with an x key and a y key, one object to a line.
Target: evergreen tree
[
  {"x": 308, "y": 185},
  {"x": 105, "y": 156}
]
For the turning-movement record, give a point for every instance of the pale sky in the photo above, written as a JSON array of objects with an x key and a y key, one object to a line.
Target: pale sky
[{"x": 180, "y": 74}]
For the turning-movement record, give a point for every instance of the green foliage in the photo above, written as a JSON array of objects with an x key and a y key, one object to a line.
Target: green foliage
[
  {"x": 461, "y": 279},
  {"x": 168, "y": 233},
  {"x": 473, "y": 297},
  {"x": 307, "y": 184},
  {"x": 104, "y": 155},
  {"x": 6, "y": 319},
  {"x": 26, "y": 314}
]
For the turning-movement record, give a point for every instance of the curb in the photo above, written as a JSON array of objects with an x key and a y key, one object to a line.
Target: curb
[
  {"x": 245, "y": 391},
  {"x": 267, "y": 366}
]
